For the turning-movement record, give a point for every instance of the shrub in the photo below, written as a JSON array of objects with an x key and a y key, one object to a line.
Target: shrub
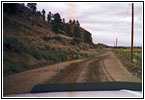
[
  {"x": 39, "y": 25},
  {"x": 75, "y": 57},
  {"x": 58, "y": 38},
  {"x": 6, "y": 68},
  {"x": 10, "y": 68},
  {"x": 14, "y": 69},
  {"x": 13, "y": 43},
  {"x": 55, "y": 56},
  {"x": 34, "y": 51},
  {"x": 48, "y": 47},
  {"x": 46, "y": 38},
  {"x": 75, "y": 41},
  {"x": 84, "y": 54},
  {"x": 63, "y": 56},
  {"x": 24, "y": 61}
]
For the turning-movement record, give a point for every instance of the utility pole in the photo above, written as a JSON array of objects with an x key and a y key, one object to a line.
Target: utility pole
[
  {"x": 116, "y": 42},
  {"x": 132, "y": 32},
  {"x": 116, "y": 45}
]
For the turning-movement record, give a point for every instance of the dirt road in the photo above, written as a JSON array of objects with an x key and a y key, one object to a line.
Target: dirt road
[{"x": 106, "y": 67}]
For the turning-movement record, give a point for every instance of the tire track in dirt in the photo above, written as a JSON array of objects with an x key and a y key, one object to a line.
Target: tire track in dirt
[
  {"x": 24, "y": 81},
  {"x": 117, "y": 70},
  {"x": 96, "y": 71},
  {"x": 71, "y": 73},
  {"x": 93, "y": 72},
  {"x": 103, "y": 68},
  {"x": 89, "y": 70}
]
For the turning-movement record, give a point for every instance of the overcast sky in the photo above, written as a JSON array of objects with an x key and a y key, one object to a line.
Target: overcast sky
[{"x": 106, "y": 21}]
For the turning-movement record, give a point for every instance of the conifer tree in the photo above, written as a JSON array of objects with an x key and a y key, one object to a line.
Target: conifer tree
[
  {"x": 77, "y": 32},
  {"x": 43, "y": 14},
  {"x": 32, "y": 6},
  {"x": 77, "y": 23},
  {"x": 70, "y": 21},
  {"x": 49, "y": 17},
  {"x": 57, "y": 23}
]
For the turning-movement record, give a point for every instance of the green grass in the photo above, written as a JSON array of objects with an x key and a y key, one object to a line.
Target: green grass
[
  {"x": 137, "y": 55},
  {"x": 18, "y": 53},
  {"x": 13, "y": 43}
]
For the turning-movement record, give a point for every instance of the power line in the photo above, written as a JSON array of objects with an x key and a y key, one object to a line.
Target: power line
[
  {"x": 126, "y": 14},
  {"x": 124, "y": 17}
]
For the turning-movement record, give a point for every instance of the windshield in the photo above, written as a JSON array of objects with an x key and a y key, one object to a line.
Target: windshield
[{"x": 71, "y": 42}]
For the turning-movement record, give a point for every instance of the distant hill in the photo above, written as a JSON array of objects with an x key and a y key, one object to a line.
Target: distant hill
[
  {"x": 127, "y": 47},
  {"x": 100, "y": 45},
  {"x": 30, "y": 41}
]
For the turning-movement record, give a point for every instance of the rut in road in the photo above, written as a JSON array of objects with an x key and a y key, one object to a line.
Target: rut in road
[
  {"x": 89, "y": 70},
  {"x": 97, "y": 72},
  {"x": 104, "y": 68}
]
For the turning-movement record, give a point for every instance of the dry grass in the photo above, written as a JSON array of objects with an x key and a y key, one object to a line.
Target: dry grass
[{"x": 136, "y": 49}]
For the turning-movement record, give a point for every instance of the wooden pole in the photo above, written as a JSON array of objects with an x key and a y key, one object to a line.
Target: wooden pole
[
  {"x": 116, "y": 42},
  {"x": 116, "y": 45},
  {"x": 132, "y": 32}
]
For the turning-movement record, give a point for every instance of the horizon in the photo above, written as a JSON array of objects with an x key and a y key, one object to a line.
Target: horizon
[{"x": 120, "y": 46}]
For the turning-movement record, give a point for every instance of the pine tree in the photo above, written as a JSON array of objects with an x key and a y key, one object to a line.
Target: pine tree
[
  {"x": 70, "y": 21},
  {"x": 57, "y": 18},
  {"x": 63, "y": 21},
  {"x": 87, "y": 37},
  {"x": 77, "y": 32},
  {"x": 68, "y": 30},
  {"x": 49, "y": 17},
  {"x": 43, "y": 14},
  {"x": 74, "y": 22},
  {"x": 32, "y": 6},
  {"x": 57, "y": 23},
  {"x": 77, "y": 23}
]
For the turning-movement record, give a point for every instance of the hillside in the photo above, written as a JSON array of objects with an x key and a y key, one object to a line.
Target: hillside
[{"x": 30, "y": 42}]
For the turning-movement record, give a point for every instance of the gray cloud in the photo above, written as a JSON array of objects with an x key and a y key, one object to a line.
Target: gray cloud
[{"x": 105, "y": 21}]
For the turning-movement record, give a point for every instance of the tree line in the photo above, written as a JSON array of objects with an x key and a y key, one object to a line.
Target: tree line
[
  {"x": 59, "y": 26},
  {"x": 58, "y": 23}
]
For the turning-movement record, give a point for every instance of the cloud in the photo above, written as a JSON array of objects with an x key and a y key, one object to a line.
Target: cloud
[{"x": 106, "y": 21}]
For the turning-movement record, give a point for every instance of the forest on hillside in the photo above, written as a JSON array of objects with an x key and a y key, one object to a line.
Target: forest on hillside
[{"x": 59, "y": 26}]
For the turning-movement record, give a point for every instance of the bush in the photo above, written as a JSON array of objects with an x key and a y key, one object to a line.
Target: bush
[
  {"x": 75, "y": 41},
  {"x": 52, "y": 55},
  {"x": 63, "y": 56},
  {"x": 58, "y": 38},
  {"x": 55, "y": 56},
  {"x": 34, "y": 51},
  {"x": 46, "y": 38},
  {"x": 24, "y": 61},
  {"x": 84, "y": 54},
  {"x": 10, "y": 68},
  {"x": 75, "y": 57},
  {"x": 13, "y": 43},
  {"x": 39, "y": 25},
  {"x": 48, "y": 47},
  {"x": 15, "y": 69},
  {"x": 6, "y": 68}
]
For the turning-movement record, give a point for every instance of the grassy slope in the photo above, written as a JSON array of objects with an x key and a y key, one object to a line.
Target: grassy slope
[
  {"x": 28, "y": 46},
  {"x": 137, "y": 55}
]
